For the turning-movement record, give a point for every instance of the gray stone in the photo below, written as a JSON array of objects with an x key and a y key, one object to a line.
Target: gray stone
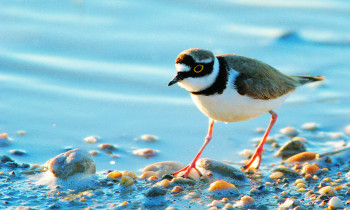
[
  {"x": 290, "y": 148},
  {"x": 155, "y": 191},
  {"x": 220, "y": 168},
  {"x": 72, "y": 162}
]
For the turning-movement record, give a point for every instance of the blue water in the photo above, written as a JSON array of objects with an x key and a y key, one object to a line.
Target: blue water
[{"x": 71, "y": 69}]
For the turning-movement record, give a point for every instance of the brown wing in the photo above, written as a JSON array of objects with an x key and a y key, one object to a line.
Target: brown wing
[{"x": 257, "y": 79}]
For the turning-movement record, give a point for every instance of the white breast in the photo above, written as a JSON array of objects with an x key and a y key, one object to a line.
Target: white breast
[{"x": 232, "y": 107}]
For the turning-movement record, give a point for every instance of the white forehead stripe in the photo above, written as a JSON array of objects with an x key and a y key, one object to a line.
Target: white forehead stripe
[
  {"x": 208, "y": 60},
  {"x": 182, "y": 67}
]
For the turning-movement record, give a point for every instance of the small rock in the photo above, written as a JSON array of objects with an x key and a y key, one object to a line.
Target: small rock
[
  {"x": 183, "y": 181},
  {"x": 192, "y": 195},
  {"x": 149, "y": 138},
  {"x": 5, "y": 159},
  {"x": 4, "y": 140},
  {"x": 246, "y": 153},
  {"x": 347, "y": 129},
  {"x": 290, "y": 148},
  {"x": 311, "y": 126},
  {"x": 72, "y": 162},
  {"x": 246, "y": 201},
  {"x": 222, "y": 185},
  {"x": 91, "y": 139},
  {"x": 327, "y": 190},
  {"x": 286, "y": 171},
  {"x": 276, "y": 175},
  {"x": 289, "y": 203},
  {"x": 162, "y": 168},
  {"x": 155, "y": 191},
  {"x": 302, "y": 157},
  {"x": 289, "y": 131},
  {"x": 309, "y": 169},
  {"x": 335, "y": 202},
  {"x": 21, "y": 133},
  {"x": 114, "y": 175},
  {"x": 146, "y": 152},
  {"x": 126, "y": 181},
  {"x": 260, "y": 130},
  {"x": 18, "y": 152},
  {"x": 216, "y": 203},
  {"x": 177, "y": 189},
  {"x": 221, "y": 169},
  {"x": 107, "y": 147}
]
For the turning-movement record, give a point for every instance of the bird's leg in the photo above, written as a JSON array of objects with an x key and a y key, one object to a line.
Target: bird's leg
[
  {"x": 192, "y": 165},
  {"x": 259, "y": 150}
]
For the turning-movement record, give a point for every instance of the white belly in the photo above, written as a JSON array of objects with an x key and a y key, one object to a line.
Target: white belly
[{"x": 232, "y": 107}]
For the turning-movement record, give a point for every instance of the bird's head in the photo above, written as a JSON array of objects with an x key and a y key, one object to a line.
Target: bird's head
[{"x": 194, "y": 69}]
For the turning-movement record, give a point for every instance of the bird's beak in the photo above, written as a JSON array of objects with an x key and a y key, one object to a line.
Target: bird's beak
[{"x": 176, "y": 79}]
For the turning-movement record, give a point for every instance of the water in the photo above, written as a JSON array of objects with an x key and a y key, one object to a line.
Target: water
[{"x": 71, "y": 69}]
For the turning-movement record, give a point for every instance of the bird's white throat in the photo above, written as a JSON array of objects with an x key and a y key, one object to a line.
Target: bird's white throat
[{"x": 194, "y": 84}]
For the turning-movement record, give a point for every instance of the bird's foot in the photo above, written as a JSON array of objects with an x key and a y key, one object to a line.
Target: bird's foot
[
  {"x": 254, "y": 161},
  {"x": 187, "y": 171}
]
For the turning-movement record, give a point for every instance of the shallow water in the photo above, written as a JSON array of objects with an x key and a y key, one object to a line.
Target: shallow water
[{"x": 71, "y": 69}]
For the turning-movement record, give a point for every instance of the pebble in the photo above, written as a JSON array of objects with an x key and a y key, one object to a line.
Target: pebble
[
  {"x": 289, "y": 131},
  {"x": 327, "y": 190},
  {"x": 311, "y": 126},
  {"x": 107, "y": 147},
  {"x": 126, "y": 181},
  {"x": 290, "y": 148},
  {"x": 192, "y": 195},
  {"x": 155, "y": 191},
  {"x": 335, "y": 202},
  {"x": 72, "y": 162},
  {"x": 177, "y": 189},
  {"x": 347, "y": 129},
  {"x": 228, "y": 206},
  {"x": 149, "y": 138},
  {"x": 146, "y": 152},
  {"x": 162, "y": 168},
  {"x": 276, "y": 175},
  {"x": 94, "y": 153},
  {"x": 21, "y": 133},
  {"x": 183, "y": 181},
  {"x": 163, "y": 183},
  {"x": 309, "y": 169},
  {"x": 222, "y": 185},
  {"x": 302, "y": 157},
  {"x": 216, "y": 203},
  {"x": 288, "y": 203},
  {"x": 114, "y": 174},
  {"x": 246, "y": 153},
  {"x": 91, "y": 139},
  {"x": 18, "y": 152},
  {"x": 221, "y": 169},
  {"x": 4, "y": 140},
  {"x": 245, "y": 201},
  {"x": 286, "y": 171}
]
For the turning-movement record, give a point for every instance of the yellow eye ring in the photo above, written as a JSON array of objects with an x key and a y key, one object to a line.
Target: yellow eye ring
[{"x": 198, "y": 68}]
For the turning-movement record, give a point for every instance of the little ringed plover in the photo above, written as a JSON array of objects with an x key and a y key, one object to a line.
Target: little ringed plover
[{"x": 233, "y": 88}]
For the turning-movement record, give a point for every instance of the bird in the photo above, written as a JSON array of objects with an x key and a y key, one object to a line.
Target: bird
[{"x": 233, "y": 88}]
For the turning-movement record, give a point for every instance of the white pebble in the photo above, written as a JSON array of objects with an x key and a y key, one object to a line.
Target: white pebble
[
  {"x": 146, "y": 152},
  {"x": 246, "y": 153},
  {"x": 311, "y": 126},
  {"x": 289, "y": 131},
  {"x": 347, "y": 129},
  {"x": 216, "y": 203},
  {"x": 335, "y": 202},
  {"x": 91, "y": 139},
  {"x": 147, "y": 137}
]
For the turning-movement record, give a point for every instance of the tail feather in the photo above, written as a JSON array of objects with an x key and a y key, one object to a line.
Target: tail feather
[{"x": 304, "y": 79}]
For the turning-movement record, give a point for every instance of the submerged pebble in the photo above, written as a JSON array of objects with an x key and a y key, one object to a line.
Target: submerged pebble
[
  {"x": 126, "y": 181},
  {"x": 246, "y": 202},
  {"x": 107, "y": 147},
  {"x": 72, "y": 162},
  {"x": 146, "y": 152},
  {"x": 290, "y": 148},
  {"x": 149, "y": 138},
  {"x": 311, "y": 126},
  {"x": 162, "y": 168},
  {"x": 289, "y": 131},
  {"x": 4, "y": 140},
  {"x": 347, "y": 129},
  {"x": 155, "y": 191},
  {"x": 18, "y": 152},
  {"x": 91, "y": 139},
  {"x": 207, "y": 165}
]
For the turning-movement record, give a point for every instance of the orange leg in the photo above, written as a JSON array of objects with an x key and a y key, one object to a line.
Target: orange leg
[
  {"x": 259, "y": 150},
  {"x": 192, "y": 165}
]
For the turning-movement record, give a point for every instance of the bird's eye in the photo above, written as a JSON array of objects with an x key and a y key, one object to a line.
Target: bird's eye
[{"x": 198, "y": 68}]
